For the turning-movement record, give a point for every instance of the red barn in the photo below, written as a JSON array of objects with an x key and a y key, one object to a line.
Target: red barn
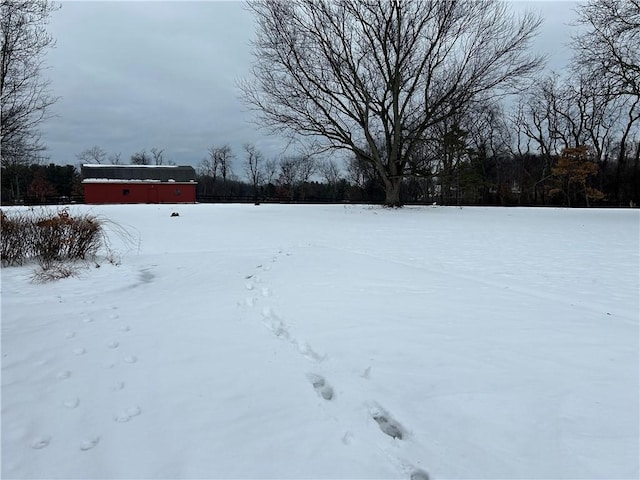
[{"x": 139, "y": 184}]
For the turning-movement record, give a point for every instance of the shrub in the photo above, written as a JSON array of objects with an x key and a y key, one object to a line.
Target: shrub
[
  {"x": 49, "y": 237},
  {"x": 14, "y": 247}
]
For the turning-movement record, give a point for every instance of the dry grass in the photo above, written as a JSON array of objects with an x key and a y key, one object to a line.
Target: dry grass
[{"x": 54, "y": 271}]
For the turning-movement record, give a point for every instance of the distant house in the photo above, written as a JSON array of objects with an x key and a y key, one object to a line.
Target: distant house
[{"x": 139, "y": 184}]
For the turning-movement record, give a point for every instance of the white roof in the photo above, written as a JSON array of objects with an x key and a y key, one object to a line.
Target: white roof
[
  {"x": 118, "y": 180},
  {"x": 98, "y": 165}
]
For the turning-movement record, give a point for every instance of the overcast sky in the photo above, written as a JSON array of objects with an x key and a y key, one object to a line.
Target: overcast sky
[{"x": 134, "y": 75}]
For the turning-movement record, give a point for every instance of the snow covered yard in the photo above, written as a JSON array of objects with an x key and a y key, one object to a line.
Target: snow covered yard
[{"x": 286, "y": 341}]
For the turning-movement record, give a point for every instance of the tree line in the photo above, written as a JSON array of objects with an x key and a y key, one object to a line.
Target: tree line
[
  {"x": 392, "y": 102},
  {"x": 442, "y": 98},
  {"x": 488, "y": 172},
  {"x": 483, "y": 177}
]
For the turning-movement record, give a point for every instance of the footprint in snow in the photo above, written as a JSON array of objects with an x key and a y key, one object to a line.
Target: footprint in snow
[
  {"x": 116, "y": 387},
  {"x": 41, "y": 442},
  {"x": 273, "y": 323},
  {"x": 70, "y": 335},
  {"x": 278, "y": 328},
  {"x": 387, "y": 424},
  {"x": 126, "y": 415},
  {"x": 321, "y": 386},
  {"x": 113, "y": 344},
  {"x": 87, "y": 319},
  {"x": 89, "y": 443},
  {"x": 125, "y": 328},
  {"x": 79, "y": 351},
  {"x": 131, "y": 359},
  {"x": 306, "y": 350},
  {"x": 250, "y": 301},
  {"x": 266, "y": 292},
  {"x": 63, "y": 374}
]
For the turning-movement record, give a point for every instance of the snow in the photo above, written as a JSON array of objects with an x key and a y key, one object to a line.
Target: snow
[{"x": 289, "y": 341}]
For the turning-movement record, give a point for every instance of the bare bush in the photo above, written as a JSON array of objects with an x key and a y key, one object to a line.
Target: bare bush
[
  {"x": 49, "y": 237},
  {"x": 110, "y": 229},
  {"x": 15, "y": 233}
]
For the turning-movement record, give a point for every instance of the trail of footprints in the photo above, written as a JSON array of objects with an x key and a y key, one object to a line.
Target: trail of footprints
[
  {"x": 386, "y": 423},
  {"x": 73, "y": 402}
]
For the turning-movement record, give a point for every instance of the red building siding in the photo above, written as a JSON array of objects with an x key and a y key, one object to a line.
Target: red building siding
[{"x": 139, "y": 192}]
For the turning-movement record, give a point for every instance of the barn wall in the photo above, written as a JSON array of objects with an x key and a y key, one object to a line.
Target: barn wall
[{"x": 140, "y": 192}]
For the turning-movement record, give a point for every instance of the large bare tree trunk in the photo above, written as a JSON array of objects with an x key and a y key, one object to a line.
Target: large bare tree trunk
[{"x": 392, "y": 192}]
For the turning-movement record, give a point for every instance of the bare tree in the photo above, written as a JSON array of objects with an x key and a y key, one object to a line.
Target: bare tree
[
  {"x": 360, "y": 172},
  {"x": 213, "y": 162},
  {"x": 289, "y": 175},
  {"x": 218, "y": 162},
  {"x": 207, "y": 170},
  {"x": 158, "y": 156},
  {"x": 332, "y": 175},
  {"x": 253, "y": 168},
  {"x": 225, "y": 157},
  {"x": 115, "y": 158},
  {"x": 330, "y": 171},
  {"x": 536, "y": 124},
  {"x": 579, "y": 110},
  {"x": 599, "y": 111},
  {"x": 450, "y": 149},
  {"x": 372, "y": 76},
  {"x": 629, "y": 120},
  {"x": 270, "y": 170},
  {"x": 488, "y": 130},
  {"x": 489, "y": 141},
  {"x": 94, "y": 154},
  {"x": 24, "y": 92},
  {"x": 607, "y": 51},
  {"x": 220, "y": 159},
  {"x": 307, "y": 166},
  {"x": 141, "y": 158},
  {"x": 609, "y": 46}
]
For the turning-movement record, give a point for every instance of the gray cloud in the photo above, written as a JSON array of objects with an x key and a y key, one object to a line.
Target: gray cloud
[
  {"x": 137, "y": 75},
  {"x": 134, "y": 75}
]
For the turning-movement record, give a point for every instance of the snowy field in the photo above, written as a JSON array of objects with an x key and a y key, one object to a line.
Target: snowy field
[{"x": 283, "y": 341}]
